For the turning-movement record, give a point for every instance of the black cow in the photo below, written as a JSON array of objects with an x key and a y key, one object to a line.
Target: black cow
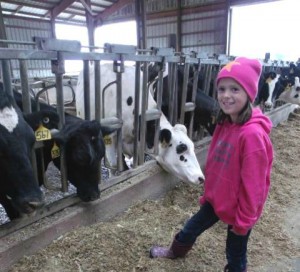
[
  {"x": 206, "y": 107},
  {"x": 19, "y": 190},
  {"x": 84, "y": 150},
  {"x": 290, "y": 72}
]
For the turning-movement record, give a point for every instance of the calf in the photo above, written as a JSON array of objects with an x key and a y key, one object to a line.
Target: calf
[
  {"x": 19, "y": 190},
  {"x": 175, "y": 151},
  {"x": 84, "y": 150}
]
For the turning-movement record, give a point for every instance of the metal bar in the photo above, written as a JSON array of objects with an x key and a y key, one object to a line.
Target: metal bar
[
  {"x": 86, "y": 90},
  {"x": 25, "y": 87},
  {"x": 184, "y": 92},
  {"x": 6, "y": 76},
  {"x": 144, "y": 105},
  {"x": 119, "y": 69},
  {"x": 194, "y": 93},
  {"x": 159, "y": 104},
  {"x": 58, "y": 69},
  {"x": 98, "y": 113},
  {"x": 97, "y": 103},
  {"x": 17, "y": 42},
  {"x": 136, "y": 113}
]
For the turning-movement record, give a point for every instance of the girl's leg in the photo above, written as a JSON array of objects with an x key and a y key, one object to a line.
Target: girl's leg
[
  {"x": 236, "y": 251},
  {"x": 198, "y": 223},
  {"x": 184, "y": 240}
]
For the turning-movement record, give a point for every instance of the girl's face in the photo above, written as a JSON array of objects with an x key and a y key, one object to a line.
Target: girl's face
[{"x": 231, "y": 97}]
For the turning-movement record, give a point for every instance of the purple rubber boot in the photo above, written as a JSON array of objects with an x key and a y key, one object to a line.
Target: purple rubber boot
[
  {"x": 176, "y": 250},
  {"x": 161, "y": 252}
]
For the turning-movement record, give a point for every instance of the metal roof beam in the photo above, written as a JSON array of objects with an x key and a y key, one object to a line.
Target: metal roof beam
[
  {"x": 87, "y": 8},
  {"x": 61, "y": 7},
  {"x": 39, "y": 5},
  {"x": 110, "y": 10}
]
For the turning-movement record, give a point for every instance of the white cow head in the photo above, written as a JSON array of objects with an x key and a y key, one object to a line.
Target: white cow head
[{"x": 176, "y": 154}]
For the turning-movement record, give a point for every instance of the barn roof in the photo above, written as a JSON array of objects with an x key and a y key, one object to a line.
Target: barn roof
[{"x": 63, "y": 11}]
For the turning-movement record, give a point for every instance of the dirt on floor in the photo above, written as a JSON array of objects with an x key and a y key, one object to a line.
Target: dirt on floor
[{"x": 123, "y": 244}]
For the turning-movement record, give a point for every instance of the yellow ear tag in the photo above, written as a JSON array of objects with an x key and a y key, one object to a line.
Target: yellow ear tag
[
  {"x": 107, "y": 140},
  {"x": 55, "y": 151},
  {"x": 42, "y": 134}
]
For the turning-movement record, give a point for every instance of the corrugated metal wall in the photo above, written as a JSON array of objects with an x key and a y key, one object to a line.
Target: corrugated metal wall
[
  {"x": 23, "y": 30},
  {"x": 204, "y": 32},
  {"x": 201, "y": 24}
]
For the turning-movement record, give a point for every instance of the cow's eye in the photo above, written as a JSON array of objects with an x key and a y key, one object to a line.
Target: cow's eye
[{"x": 46, "y": 120}]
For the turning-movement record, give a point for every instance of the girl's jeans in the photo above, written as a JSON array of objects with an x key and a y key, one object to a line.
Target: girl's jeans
[{"x": 236, "y": 245}]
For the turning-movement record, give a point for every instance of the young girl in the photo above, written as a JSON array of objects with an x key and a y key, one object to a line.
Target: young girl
[{"x": 238, "y": 168}]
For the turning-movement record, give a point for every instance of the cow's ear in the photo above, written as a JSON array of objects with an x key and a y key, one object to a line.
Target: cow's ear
[
  {"x": 180, "y": 127},
  {"x": 165, "y": 137},
  {"x": 107, "y": 130}
]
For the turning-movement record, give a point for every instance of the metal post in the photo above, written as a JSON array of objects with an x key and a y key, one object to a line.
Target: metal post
[
  {"x": 58, "y": 69},
  {"x": 97, "y": 91},
  {"x": 136, "y": 113},
  {"x": 184, "y": 91},
  {"x": 86, "y": 90},
  {"x": 98, "y": 102},
  {"x": 6, "y": 76},
  {"x": 119, "y": 69},
  {"x": 25, "y": 87},
  {"x": 143, "y": 114}
]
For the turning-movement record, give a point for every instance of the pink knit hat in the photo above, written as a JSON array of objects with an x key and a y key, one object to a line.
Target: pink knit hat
[{"x": 246, "y": 72}]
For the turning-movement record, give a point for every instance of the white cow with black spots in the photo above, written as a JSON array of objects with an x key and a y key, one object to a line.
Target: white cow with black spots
[{"x": 176, "y": 152}]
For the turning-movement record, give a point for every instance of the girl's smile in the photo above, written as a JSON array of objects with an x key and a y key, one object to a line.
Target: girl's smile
[{"x": 231, "y": 97}]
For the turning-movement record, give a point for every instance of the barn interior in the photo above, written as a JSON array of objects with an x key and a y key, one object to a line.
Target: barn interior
[{"x": 193, "y": 33}]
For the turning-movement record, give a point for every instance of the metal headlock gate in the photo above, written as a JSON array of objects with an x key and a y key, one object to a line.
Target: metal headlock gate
[{"x": 58, "y": 51}]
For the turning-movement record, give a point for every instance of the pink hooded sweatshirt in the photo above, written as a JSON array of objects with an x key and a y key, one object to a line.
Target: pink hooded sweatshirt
[{"x": 238, "y": 169}]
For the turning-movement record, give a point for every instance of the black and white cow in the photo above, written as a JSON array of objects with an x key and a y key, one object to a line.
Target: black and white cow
[
  {"x": 291, "y": 93},
  {"x": 175, "y": 151},
  {"x": 206, "y": 107},
  {"x": 276, "y": 87},
  {"x": 19, "y": 190},
  {"x": 84, "y": 150},
  {"x": 266, "y": 87}
]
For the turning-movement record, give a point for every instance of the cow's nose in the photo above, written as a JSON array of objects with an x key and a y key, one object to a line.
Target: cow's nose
[{"x": 201, "y": 180}]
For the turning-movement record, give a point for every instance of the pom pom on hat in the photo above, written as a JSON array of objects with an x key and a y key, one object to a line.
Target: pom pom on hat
[{"x": 246, "y": 72}]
